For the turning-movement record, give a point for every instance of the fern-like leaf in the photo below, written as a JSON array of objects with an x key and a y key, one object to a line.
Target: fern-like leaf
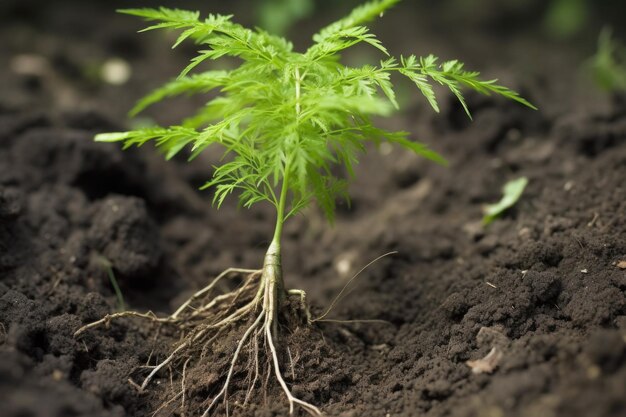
[
  {"x": 199, "y": 83},
  {"x": 362, "y": 14},
  {"x": 284, "y": 119}
]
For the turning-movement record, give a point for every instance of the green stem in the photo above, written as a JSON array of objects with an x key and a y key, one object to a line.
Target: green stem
[
  {"x": 280, "y": 208},
  {"x": 272, "y": 288},
  {"x": 118, "y": 292},
  {"x": 282, "y": 202}
]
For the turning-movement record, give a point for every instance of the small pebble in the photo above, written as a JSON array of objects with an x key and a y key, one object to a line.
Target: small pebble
[
  {"x": 116, "y": 71},
  {"x": 385, "y": 148},
  {"x": 29, "y": 64}
]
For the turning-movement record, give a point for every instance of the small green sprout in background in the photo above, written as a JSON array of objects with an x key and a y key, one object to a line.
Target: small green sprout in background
[
  {"x": 108, "y": 268},
  {"x": 565, "y": 18},
  {"x": 284, "y": 121},
  {"x": 277, "y": 16},
  {"x": 511, "y": 193},
  {"x": 608, "y": 66}
]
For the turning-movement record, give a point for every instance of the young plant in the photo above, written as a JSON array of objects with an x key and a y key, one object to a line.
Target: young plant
[
  {"x": 284, "y": 119},
  {"x": 608, "y": 66},
  {"x": 511, "y": 193}
]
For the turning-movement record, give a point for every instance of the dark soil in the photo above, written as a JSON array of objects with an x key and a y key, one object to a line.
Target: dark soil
[{"x": 542, "y": 285}]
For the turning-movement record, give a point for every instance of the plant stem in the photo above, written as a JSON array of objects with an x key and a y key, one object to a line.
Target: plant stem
[
  {"x": 121, "y": 306},
  {"x": 272, "y": 287},
  {"x": 280, "y": 208},
  {"x": 272, "y": 283},
  {"x": 273, "y": 256}
]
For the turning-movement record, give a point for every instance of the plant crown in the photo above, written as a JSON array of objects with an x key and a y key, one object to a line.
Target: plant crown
[{"x": 286, "y": 118}]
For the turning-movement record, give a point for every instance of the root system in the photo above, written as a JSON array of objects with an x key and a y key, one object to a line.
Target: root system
[{"x": 205, "y": 319}]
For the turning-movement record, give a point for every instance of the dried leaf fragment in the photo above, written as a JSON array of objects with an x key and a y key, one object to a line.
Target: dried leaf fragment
[{"x": 487, "y": 364}]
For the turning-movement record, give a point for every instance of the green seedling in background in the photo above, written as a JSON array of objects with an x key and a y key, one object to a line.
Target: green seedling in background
[
  {"x": 565, "y": 18},
  {"x": 277, "y": 16},
  {"x": 107, "y": 267},
  {"x": 608, "y": 66},
  {"x": 511, "y": 193},
  {"x": 284, "y": 120}
]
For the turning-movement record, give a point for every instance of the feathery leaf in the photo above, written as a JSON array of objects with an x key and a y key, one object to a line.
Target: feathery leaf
[{"x": 284, "y": 119}]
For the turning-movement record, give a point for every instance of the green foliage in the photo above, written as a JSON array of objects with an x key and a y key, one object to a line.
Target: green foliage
[
  {"x": 511, "y": 193},
  {"x": 284, "y": 118},
  {"x": 565, "y": 18},
  {"x": 108, "y": 268},
  {"x": 277, "y": 16},
  {"x": 609, "y": 64}
]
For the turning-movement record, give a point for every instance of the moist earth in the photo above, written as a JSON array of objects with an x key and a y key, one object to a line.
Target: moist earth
[{"x": 541, "y": 290}]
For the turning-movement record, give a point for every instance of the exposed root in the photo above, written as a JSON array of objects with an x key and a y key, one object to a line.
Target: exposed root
[
  {"x": 205, "y": 319},
  {"x": 183, "y": 386},
  {"x": 224, "y": 392},
  {"x": 342, "y": 293},
  {"x": 303, "y": 304},
  {"x": 310, "y": 408}
]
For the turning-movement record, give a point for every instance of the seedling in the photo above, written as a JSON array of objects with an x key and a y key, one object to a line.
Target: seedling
[
  {"x": 565, "y": 18},
  {"x": 608, "y": 66},
  {"x": 511, "y": 192},
  {"x": 108, "y": 268},
  {"x": 284, "y": 119}
]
